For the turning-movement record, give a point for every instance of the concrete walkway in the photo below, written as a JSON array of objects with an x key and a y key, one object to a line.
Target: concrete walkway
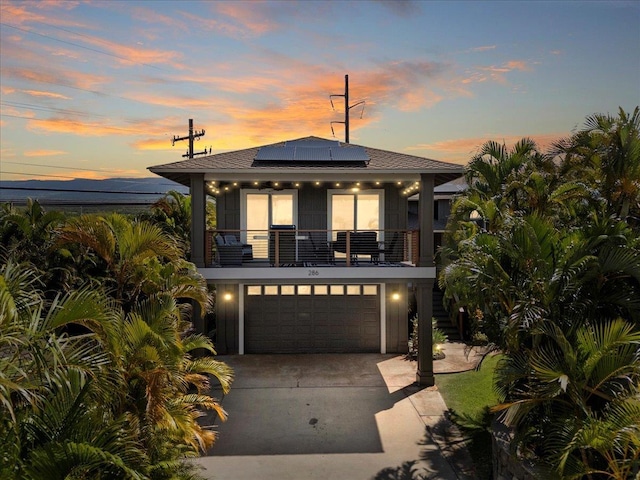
[{"x": 339, "y": 417}]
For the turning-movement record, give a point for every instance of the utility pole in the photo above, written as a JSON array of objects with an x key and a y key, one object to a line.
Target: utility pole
[
  {"x": 191, "y": 137},
  {"x": 346, "y": 108}
]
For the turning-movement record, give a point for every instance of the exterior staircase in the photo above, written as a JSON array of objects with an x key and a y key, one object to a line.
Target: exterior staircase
[{"x": 443, "y": 321}]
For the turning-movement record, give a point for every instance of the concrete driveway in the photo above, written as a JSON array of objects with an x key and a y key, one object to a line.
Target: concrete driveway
[{"x": 335, "y": 417}]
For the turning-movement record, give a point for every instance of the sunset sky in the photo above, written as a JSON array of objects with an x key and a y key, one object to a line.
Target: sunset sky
[{"x": 97, "y": 89}]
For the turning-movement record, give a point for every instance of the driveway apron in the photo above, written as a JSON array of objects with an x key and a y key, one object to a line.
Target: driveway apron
[{"x": 342, "y": 416}]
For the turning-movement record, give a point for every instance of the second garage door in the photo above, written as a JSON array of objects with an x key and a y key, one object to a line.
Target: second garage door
[{"x": 312, "y": 318}]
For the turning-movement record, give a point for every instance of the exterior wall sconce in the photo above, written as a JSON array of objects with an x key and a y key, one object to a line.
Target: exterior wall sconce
[
  {"x": 227, "y": 297},
  {"x": 395, "y": 296}
]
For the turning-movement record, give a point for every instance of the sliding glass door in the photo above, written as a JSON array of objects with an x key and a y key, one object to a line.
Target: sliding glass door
[
  {"x": 263, "y": 209},
  {"x": 355, "y": 211}
]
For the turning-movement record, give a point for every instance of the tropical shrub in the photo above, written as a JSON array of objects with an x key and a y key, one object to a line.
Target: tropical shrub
[
  {"x": 438, "y": 338},
  {"x": 122, "y": 399},
  {"x": 552, "y": 276},
  {"x": 101, "y": 379}
]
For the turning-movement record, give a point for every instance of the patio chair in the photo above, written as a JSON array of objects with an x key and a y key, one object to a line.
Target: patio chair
[
  {"x": 320, "y": 247},
  {"x": 228, "y": 254},
  {"x": 389, "y": 249},
  {"x": 365, "y": 243},
  {"x": 247, "y": 249}
]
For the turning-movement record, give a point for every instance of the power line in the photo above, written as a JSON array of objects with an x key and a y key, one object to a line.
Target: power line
[
  {"x": 75, "y": 190},
  {"x": 78, "y": 168},
  {"x": 79, "y": 46},
  {"x": 95, "y": 92},
  {"x": 37, "y": 174},
  {"x": 50, "y": 109},
  {"x": 108, "y": 127},
  {"x": 55, "y": 166}
]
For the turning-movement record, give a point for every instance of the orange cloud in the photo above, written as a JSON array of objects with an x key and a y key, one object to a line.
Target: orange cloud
[
  {"x": 295, "y": 102},
  {"x": 43, "y": 153},
  {"x": 172, "y": 101},
  {"x": 479, "y": 49},
  {"x": 153, "y": 144},
  {"x": 21, "y": 13},
  {"x": 40, "y": 93},
  {"x": 418, "y": 99},
  {"x": 495, "y": 73},
  {"x": 212, "y": 24},
  {"x": 7, "y": 152},
  {"x": 72, "y": 78},
  {"x": 253, "y": 17},
  {"x": 89, "y": 129},
  {"x": 151, "y": 16},
  {"x": 128, "y": 54},
  {"x": 461, "y": 150},
  {"x": 518, "y": 65}
]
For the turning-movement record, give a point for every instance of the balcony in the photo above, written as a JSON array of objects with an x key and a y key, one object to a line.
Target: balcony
[{"x": 287, "y": 246}]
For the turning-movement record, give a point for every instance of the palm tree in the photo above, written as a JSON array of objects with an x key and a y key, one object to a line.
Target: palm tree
[
  {"x": 555, "y": 280},
  {"x": 608, "y": 149},
  {"x": 53, "y": 386},
  {"x": 26, "y": 236},
  {"x": 173, "y": 214},
  {"x": 575, "y": 398},
  {"x": 122, "y": 399},
  {"x": 124, "y": 248},
  {"x": 156, "y": 354}
]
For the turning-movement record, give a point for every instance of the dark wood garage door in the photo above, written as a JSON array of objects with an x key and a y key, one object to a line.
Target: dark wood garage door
[{"x": 312, "y": 319}]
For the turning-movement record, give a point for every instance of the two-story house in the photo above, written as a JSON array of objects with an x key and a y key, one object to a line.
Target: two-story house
[{"x": 313, "y": 250}]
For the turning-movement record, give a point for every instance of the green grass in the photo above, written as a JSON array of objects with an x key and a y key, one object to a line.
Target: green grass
[{"x": 469, "y": 395}]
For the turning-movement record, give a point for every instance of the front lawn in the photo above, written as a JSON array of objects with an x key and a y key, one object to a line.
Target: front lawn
[{"x": 468, "y": 396}]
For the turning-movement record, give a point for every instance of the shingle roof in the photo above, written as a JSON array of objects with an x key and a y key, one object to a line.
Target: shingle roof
[{"x": 382, "y": 162}]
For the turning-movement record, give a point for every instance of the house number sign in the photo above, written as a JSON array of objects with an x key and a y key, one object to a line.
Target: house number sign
[{"x": 313, "y": 273}]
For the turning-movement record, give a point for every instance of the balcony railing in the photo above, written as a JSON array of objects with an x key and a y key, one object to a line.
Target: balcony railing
[{"x": 286, "y": 246}]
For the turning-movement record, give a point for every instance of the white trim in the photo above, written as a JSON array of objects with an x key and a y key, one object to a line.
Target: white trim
[
  {"x": 383, "y": 317},
  {"x": 241, "y": 319}
]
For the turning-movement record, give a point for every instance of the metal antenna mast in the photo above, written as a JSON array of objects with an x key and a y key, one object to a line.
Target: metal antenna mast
[
  {"x": 347, "y": 107},
  {"x": 191, "y": 137}
]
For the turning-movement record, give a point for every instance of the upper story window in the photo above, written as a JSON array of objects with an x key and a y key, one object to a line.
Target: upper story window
[
  {"x": 355, "y": 210},
  {"x": 261, "y": 209}
]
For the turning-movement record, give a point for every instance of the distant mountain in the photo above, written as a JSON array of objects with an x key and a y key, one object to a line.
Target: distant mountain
[{"x": 81, "y": 191}]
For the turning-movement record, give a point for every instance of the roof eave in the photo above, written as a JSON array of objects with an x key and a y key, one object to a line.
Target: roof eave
[{"x": 242, "y": 175}]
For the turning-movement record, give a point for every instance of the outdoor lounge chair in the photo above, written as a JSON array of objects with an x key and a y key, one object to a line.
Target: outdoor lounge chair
[
  {"x": 228, "y": 254},
  {"x": 247, "y": 249}
]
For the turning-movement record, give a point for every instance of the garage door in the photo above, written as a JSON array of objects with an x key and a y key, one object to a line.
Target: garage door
[{"x": 312, "y": 318}]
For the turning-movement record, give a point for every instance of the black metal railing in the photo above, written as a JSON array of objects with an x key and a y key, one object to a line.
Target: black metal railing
[{"x": 288, "y": 246}]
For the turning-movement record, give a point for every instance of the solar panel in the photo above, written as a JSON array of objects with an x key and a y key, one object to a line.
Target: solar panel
[
  {"x": 313, "y": 154},
  {"x": 313, "y": 143},
  {"x": 275, "y": 154},
  {"x": 316, "y": 151},
  {"x": 350, "y": 154}
]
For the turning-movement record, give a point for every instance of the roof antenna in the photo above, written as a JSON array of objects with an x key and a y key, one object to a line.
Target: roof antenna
[{"x": 347, "y": 107}]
